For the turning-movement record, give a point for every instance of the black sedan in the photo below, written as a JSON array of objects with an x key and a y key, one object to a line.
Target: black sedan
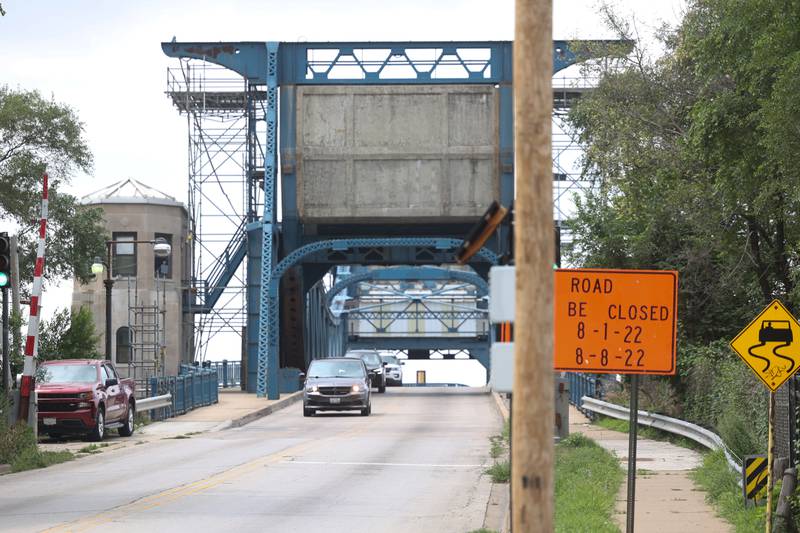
[{"x": 375, "y": 364}]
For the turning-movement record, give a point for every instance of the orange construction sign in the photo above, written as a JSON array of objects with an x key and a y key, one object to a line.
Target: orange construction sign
[{"x": 616, "y": 321}]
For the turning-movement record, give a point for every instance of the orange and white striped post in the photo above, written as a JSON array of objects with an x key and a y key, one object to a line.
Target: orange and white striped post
[{"x": 32, "y": 340}]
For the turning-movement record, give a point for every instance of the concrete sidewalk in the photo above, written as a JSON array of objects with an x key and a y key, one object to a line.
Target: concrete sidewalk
[
  {"x": 667, "y": 501},
  {"x": 235, "y": 408}
]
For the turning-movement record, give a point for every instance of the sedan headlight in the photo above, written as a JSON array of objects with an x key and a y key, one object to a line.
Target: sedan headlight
[
  {"x": 86, "y": 395},
  {"x": 357, "y": 388},
  {"x": 312, "y": 388}
]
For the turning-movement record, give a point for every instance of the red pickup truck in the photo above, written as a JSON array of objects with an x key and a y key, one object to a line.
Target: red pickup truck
[{"x": 84, "y": 396}]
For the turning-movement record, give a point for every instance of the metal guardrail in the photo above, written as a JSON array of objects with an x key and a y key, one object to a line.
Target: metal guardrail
[
  {"x": 154, "y": 402},
  {"x": 665, "y": 423}
]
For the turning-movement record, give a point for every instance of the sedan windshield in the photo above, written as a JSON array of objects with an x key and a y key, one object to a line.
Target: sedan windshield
[
  {"x": 335, "y": 369},
  {"x": 392, "y": 360},
  {"x": 371, "y": 358},
  {"x": 67, "y": 374}
]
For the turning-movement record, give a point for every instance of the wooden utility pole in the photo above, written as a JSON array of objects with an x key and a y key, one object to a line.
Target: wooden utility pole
[{"x": 532, "y": 423}]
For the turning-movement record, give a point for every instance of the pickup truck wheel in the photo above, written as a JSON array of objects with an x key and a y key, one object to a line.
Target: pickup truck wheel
[
  {"x": 128, "y": 426},
  {"x": 99, "y": 430}
]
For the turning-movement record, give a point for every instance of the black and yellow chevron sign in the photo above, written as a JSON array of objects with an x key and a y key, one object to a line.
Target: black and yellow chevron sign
[{"x": 755, "y": 477}]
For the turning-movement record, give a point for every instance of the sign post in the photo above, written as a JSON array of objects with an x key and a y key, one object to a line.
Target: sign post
[
  {"x": 617, "y": 322},
  {"x": 767, "y": 346}
]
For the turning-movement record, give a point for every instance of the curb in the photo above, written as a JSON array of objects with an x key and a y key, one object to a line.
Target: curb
[
  {"x": 264, "y": 411},
  {"x": 498, "y": 512},
  {"x": 501, "y": 405}
]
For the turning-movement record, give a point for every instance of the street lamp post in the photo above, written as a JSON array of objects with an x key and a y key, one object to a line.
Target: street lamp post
[{"x": 161, "y": 248}]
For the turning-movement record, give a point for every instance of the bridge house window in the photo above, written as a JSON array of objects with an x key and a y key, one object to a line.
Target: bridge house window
[{"x": 124, "y": 254}]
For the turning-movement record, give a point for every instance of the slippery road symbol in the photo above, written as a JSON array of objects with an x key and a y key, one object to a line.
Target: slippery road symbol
[
  {"x": 767, "y": 345},
  {"x": 774, "y": 331}
]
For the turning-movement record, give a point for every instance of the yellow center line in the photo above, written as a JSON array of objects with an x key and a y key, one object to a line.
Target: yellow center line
[{"x": 176, "y": 493}]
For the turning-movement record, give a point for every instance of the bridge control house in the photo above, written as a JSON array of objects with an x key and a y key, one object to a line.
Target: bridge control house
[{"x": 151, "y": 331}]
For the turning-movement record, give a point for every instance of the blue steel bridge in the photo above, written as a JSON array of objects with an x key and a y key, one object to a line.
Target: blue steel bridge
[{"x": 325, "y": 169}]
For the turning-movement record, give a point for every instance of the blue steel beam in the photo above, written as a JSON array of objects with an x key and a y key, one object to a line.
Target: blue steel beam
[
  {"x": 459, "y": 61},
  {"x": 268, "y": 359},
  {"x": 409, "y": 274}
]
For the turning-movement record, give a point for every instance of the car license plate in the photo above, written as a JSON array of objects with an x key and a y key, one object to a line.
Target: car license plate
[
  {"x": 49, "y": 421},
  {"x": 336, "y": 400}
]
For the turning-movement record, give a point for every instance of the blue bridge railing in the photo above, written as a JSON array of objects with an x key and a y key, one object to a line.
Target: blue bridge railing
[
  {"x": 229, "y": 373},
  {"x": 581, "y": 385},
  {"x": 193, "y": 387}
]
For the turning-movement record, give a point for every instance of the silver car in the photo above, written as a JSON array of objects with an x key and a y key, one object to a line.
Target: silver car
[{"x": 336, "y": 384}]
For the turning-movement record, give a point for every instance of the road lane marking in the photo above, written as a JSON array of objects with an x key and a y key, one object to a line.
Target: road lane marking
[
  {"x": 173, "y": 494},
  {"x": 345, "y": 463}
]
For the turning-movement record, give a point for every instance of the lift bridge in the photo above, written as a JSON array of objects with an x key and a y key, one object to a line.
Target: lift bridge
[{"x": 333, "y": 165}]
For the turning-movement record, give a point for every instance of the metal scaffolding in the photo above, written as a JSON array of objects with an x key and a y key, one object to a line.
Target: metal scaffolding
[{"x": 225, "y": 170}]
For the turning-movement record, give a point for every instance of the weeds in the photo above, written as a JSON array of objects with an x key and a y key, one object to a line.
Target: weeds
[
  {"x": 500, "y": 471},
  {"x": 723, "y": 491},
  {"x": 587, "y": 481},
  {"x": 19, "y": 449}
]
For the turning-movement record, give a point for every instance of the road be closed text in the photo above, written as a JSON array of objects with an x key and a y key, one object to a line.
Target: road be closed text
[{"x": 615, "y": 321}]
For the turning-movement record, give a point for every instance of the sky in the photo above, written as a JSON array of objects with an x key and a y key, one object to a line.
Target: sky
[{"x": 104, "y": 59}]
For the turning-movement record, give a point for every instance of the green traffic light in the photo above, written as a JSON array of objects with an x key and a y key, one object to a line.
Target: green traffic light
[{"x": 4, "y": 279}]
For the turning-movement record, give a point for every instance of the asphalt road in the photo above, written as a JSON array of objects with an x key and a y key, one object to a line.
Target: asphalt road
[{"x": 414, "y": 465}]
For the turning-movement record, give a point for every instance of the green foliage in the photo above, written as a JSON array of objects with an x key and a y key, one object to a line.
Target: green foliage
[
  {"x": 500, "y": 471},
  {"x": 587, "y": 481},
  {"x": 694, "y": 156},
  {"x": 68, "y": 335},
  {"x": 38, "y": 134},
  {"x": 723, "y": 491},
  {"x": 695, "y": 161},
  {"x": 577, "y": 440},
  {"x": 721, "y": 392},
  {"x": 615, "y": 424},
  {"x": 31, "y": 458},
  {"x": 18, "y": 446}
]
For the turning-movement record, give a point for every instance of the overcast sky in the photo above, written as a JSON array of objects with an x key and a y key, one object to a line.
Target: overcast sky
[{"x": 104, "y": 59}]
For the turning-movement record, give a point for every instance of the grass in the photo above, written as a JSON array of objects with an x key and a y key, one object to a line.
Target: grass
[
  {"x": 483, "y": 530},
  {"x": 93, "y": 448},
  {"x": 32, "y": 457},
  {"x": 18, "y": 446},
  {"x": 500, "y": 471},
  {"x": 587, "y": 481},
  {"x": 722, "y": 490},
  {"x": 645, "y": 432}
]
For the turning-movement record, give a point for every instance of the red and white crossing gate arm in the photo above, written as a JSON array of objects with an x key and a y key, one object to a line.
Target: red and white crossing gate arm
[{"x": 32, "y": 340}]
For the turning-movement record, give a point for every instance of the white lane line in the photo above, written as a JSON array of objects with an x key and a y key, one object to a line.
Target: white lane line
[{"x": 343, "y": 463}]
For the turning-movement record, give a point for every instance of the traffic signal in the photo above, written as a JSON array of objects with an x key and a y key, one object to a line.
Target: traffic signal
[{"x": 5, "y": 260}]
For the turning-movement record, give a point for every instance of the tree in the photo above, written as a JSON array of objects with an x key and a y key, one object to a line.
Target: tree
[
  {"x": 36, "y": 134},
  {"x": 690, "y": 172},
  {"x": 68, "y": 335}
]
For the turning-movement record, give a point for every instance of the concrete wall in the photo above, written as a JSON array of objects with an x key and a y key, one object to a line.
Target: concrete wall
[
  {"x": 145, "y": 218},
  {"x": 410, "y": 154}
]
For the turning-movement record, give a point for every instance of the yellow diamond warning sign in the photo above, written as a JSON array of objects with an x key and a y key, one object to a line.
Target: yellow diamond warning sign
[{"x": 770, "y": 345}]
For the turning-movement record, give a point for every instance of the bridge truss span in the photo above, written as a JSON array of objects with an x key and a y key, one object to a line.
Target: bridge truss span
[{"x": 387, "y": 154}]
